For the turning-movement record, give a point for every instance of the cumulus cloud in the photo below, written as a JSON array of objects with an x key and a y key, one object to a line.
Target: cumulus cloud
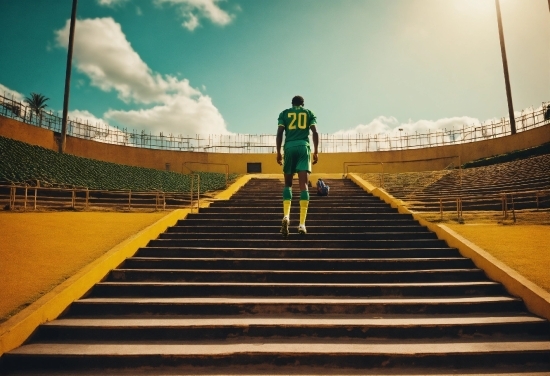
[
  {"x": 193, "y": 10},
  {"x": 103, "y": 53},
  {"x": 90, "y": 127},
  {"x": 11, "y": 94},
  {"x": 201, "y": 117},
  {"x": 111, "y": 3},
  {"x": 86, "y": 117},
  {"x": 390, "y": 125}
]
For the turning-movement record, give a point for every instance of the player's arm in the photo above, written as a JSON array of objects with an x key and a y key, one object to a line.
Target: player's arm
[
  {"x": 279, "y": 142},
  {"x": 315, "y": 137}
]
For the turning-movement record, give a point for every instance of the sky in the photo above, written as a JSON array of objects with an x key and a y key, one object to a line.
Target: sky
[{"x": 187, "y": 67}]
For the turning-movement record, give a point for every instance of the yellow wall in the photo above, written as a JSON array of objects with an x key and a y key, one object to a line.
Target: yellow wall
[
  {"x": 434, "y": 158},
  {"x": 30, "y": 134}
]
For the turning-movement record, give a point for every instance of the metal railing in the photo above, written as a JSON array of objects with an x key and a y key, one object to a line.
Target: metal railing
[
  {"x": 225, "y": 165},
  {"x": 509, "y": 188},
  {"x": 26, "y": 197},
  {"x": 247, "y": 143}
]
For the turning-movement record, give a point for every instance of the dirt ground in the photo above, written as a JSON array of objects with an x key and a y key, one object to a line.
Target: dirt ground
[
  {"x": 523, "y": 244},
  {"x": 38, "y": 251}
]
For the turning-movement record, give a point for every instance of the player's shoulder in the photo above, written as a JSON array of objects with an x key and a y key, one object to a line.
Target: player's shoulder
[{"x": 286, "y": 110}]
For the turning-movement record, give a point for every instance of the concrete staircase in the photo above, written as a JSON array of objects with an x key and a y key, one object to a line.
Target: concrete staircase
[{"x": 366, "y": 291}]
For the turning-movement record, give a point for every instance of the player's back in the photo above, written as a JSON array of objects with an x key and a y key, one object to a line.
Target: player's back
[{"x": 297, "y": 122}]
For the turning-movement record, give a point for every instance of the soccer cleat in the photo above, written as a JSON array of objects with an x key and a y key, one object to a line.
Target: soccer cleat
[
  {"x": 284, "y": 226},
  {"x": 302, "y": 229}
]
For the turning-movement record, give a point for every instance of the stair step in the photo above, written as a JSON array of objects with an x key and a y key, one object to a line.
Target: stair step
[
  {"x": 226, "y": 289},
  {"x": 298, "y": 241},
  {"x": 296, "y": 276},
  {"x": 369, "y": 328},
  {"x": 275, "y": 235},
  {"x": 275, "y": 227},
  {"x": 295, "y": 252},
  {"x": 303, "y": 306},
  {"x": 313, "y": 216},
  {"x": 332, "y": 264},
  {"x": 349, "y": 353}
]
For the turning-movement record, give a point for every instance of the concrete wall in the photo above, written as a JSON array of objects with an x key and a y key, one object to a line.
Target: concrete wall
[{"x": 434, "y": 158}]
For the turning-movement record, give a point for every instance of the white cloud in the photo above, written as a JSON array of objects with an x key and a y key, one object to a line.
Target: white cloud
[
  {"x": 103, "y": 53},
  {"x": 111, "y": 3},
  {"x": 390, "y": 125},
  {"x": 11, "y": 94},
  {"x": 179, "y": 115},
  {"x": 193, "y": 10},
  {"x": 90, "y": 127},
  {"x": 86, "y": 117}
]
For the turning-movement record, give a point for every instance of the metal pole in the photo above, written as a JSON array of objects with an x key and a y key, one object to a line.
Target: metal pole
[
  {"x": 68, "y": 79},
  {"x": 505, "y": 67}
]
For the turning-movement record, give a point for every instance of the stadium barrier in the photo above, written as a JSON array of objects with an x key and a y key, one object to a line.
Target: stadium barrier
[
  {"x": 225, "y": 166},
  {"x": 505, "y": 190},
  {"x": 27, "y": 197},
  {"x": 246, "y": 143}
]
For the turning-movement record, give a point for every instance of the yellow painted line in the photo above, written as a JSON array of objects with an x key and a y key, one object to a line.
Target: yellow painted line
[
  {"x": 535, "y": 298},
  {"x": 238, "y": 184}
]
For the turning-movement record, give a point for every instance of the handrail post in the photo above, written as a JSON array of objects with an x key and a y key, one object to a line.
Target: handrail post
[
  {"x": 505, "y": 206},
  {"x": 198, "y": 192},
  {"x": 12, "y": 197},
  {"x": 513, "y": 209},
  {"x": 25, "y": 202},
  {"x": 192, "y": 183}
]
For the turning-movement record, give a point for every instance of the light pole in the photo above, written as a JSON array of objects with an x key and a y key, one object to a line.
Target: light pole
[
  {"x": 505, "y": 67},
  {"x": 68, "y": 80}
]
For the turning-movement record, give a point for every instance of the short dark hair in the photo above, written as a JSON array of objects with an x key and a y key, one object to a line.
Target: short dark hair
[{"x": 298, "y": 101}]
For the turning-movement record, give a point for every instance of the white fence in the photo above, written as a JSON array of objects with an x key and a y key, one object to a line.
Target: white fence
[{"x": 247, "y": 143}]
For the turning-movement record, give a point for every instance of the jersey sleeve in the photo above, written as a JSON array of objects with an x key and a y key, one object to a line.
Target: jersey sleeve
[
  {"x": 312, "y": 118},
  {"x": 281, "y": 121}
]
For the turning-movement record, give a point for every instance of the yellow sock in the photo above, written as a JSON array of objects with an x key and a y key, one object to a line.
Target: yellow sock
[
  {"x": 303, "y": 211},
  {"x": 286, "y": 208}
]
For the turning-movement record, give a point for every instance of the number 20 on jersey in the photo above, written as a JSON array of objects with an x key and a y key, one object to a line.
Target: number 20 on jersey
[{"x": 301, "y": 120}]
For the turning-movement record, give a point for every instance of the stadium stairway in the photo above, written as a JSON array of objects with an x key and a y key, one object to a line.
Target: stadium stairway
[{"x": 366, "y": 291}]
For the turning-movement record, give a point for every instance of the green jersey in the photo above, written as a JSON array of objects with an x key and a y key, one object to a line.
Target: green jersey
[{"x": 297, "y": 121}]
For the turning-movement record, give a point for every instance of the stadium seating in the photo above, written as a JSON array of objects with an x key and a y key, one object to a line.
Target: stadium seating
[
  {"x": 25, "y": 163},
  {"x": 481, "y": 188},
  {"x": 91, "y": 183}
]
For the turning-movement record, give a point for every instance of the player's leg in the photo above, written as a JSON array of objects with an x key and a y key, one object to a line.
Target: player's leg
[
  {"x": 304, "y": 168},
  {"x": 288, "y": 171},
  {"x": 287, "y": 199},
  {"x": 303, "y": 177}
]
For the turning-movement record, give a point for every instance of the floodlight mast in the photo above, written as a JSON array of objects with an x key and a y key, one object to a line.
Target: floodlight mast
[
  {"x": 505, "y": 67},
  {"x": 68, "y": 80}
]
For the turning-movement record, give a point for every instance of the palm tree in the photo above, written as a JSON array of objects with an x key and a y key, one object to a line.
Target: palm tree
[{"x": 37, "y": 103}]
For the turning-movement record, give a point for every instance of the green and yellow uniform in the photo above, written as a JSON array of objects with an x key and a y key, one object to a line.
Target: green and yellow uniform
[{"x": 297, "y": 122}]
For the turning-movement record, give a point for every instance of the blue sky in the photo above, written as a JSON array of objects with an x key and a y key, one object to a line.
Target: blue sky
[{"x": 215, "y": 66}]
